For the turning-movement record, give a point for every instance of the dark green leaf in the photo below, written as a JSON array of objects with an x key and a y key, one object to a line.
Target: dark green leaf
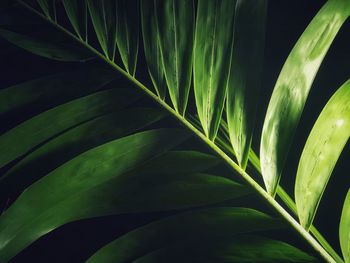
[
  {"x": 210, "y": 223},
  {"x": 128, "y": 33},
  {"x": 293, "y": 86},
  {"x": 176, "y": 33},
  {"x": 321, "y": 152},
  {"x": 239, "y": 248},
  {"x": 245, "y": 75},
  {"x": 62, "y": 51},
  {"x": 151, "y": 44},
  {"x": 73, "y": 142},
  {"x": 77, "y": 13},
  {"x": 103, "y": 16},
  {"x": 212, "y": 59},
  {"x": 48, "y": 7},
  {"x": 33, "y": 132}
]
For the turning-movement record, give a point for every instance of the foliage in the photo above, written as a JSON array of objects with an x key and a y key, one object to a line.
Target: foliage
[{"x": 92, "y": 148}]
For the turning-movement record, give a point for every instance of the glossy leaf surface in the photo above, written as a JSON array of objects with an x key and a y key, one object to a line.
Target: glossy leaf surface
[
  {"x": 212, "y": 59},
  {"x": 344, "y": 229},
  {"x": 176, "y": 33},
  {"x": 321, "y": 152},
  {"x": 293, "y": 86}
]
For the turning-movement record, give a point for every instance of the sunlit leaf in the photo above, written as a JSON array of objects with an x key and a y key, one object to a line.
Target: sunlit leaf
[
  {"x": 321, "y": 152},
  {"x": 344, "y": 229},
  {"x": 176, "y": 33},
  {"x": 293, "y": 86},
  {"x": 212, "y": 59}
]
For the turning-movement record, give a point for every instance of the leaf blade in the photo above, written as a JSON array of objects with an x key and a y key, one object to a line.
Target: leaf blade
[
  {"x": 344, "y": 229},
  {"x": 292, "y": 88},
  {"x": 323, "y": 147}
]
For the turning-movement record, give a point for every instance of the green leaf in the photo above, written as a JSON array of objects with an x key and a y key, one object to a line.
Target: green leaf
[
  {"x": 176, "y": 34},
  {"x": 72, "y": 143},
  {"x": 52, "y": 90},
  {"x": 103, "y": 16},
  {"x": 209, "y": 222},
  {"x": 239, "y": 248},
  {"x": 293, "y": 86},
  {"x": 245, "y": 75},
  {"x": 77, "y": 13},
  {"x": 31, "y": 133},
  {"x": 128, "y": 33},
  {"x": 321, "y": 152},
  {"x": 49, "y": 8},
  {"x": 151, "y": 44},
  {"x": 57, "y": 50},
  {"x": 212, "y": 59},
  {"x": 344, "y": 229}
]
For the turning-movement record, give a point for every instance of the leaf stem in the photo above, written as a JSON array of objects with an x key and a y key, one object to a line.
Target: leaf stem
[{"x": 249, "y": 180}]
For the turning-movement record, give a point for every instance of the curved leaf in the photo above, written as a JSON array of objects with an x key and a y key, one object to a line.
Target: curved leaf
[
  {"x": 344, "y": 229},
  {"x": 212, "y": 59},
  {"x": 240, "y": 248},
  {"x": 209, "y": 222},
  {"x": 31, "y": 133},
  {"x": 321, "y": 152},
  {"x": 176, "y": 33},
  {"x": 48, "y": 7},
  {"x": 103, "y": 16},
  {"x": 73, "y": 142},
  {"x": 43, "y": 93},
  {"x": 127, "y": 35},
  {"x": 245, "y": 74},
  {"x": 77, "y": 13},
  {"x": 293, "y": 86},
  {"x": 150, "y": 35}
]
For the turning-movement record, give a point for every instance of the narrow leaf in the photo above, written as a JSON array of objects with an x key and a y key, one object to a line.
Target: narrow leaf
[
  {"x": 209, "y": 222},
  {"x": 48, "y": 7},
  {"x": 321, "y": 152},
  {"x": 62, "y": 51},
  {"x": 128, "y": 33},
  {"x": 293, "y": 86},
  {"x": 176, "y": 35},
  {"x": 103, "y": 16},
  {"x": 77, "y": 13},
  {"x": 344, "y": 229},
  {"x": 239, "y": 248},
  {"x": 245, "y": 74},
  {"x": 212, "y": 59},
  {"x": 72, "y": 143},
  {"x": 151, "y": 44},
  {"x": 46, "y": 92},
  {"x": 31, "y": 133}
]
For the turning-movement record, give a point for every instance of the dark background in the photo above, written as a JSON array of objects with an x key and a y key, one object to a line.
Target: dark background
[{"x": 286, "y": 20}]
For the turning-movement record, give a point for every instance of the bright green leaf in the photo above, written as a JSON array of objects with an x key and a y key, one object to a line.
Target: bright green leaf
[
  {"x": 73, "y": 142},
  {"x": 293, "y": 86},
  {"x": 212, "y": 59},
  {"x": 344, "y": 229},
  {"x": 176, "y": 33},
  {"x": 245, "y": 74},
  {"x": 321, "y": 152}
]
